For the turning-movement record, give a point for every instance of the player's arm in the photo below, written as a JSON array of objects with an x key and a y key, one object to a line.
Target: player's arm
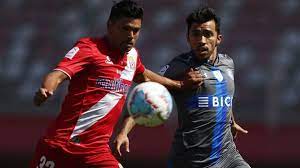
[
  {"x": 191, "y": 80},
  {"x": 74, "y": 62},
  {"x": 49, "y": 85},
  {"x": 122, "y": 137},
  {"x": 235, "y": 128}
]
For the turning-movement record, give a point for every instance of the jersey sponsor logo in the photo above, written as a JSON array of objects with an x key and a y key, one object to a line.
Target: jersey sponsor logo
[
  {"x": 218, "y": 75},
  {"x": 203, "y": 101},
  {"x": 116, "y": 85},
  {"x": 164, "y": 69},
  {"x": 221, "y": 101},
  {"x": 72, "y": 53},
  {"x": 214, "y": 101}
]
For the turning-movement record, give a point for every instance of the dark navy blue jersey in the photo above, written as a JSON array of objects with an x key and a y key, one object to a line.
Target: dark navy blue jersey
[{"x": 204, "y": 113}]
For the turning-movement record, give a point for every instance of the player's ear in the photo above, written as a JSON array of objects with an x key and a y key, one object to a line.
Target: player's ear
[
  {"x": 187, "y": 37},
  {"x": 219, "y": 39},
  {"x": 110, "y": 25}
]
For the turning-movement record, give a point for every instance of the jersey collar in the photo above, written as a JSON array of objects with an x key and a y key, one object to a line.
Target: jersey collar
[{"x": 205, "y": 61}]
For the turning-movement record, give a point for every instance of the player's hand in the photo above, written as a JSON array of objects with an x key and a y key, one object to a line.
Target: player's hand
[
  {"x": 121, "y": 139},
  {"x": 41, "y": 96},
  {"x": 235, "y": 129},
  {"x": 193, "y": 79}
]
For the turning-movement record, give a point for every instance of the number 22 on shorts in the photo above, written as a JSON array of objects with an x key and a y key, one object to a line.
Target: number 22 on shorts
[{"x": 46, "y": 163}]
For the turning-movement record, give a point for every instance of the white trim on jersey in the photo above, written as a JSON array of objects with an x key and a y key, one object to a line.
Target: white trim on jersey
[
  {"x": 96, "y": 112},
  {"x": 57, "y": 69}
]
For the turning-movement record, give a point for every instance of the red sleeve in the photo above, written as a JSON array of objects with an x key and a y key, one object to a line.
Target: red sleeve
[
  {"x": 140, "y": 68},
  {"x": 76, "y": 59}
]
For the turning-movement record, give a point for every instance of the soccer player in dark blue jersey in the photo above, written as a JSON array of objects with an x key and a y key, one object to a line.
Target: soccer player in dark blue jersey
[{"x": 204, "y": 137}]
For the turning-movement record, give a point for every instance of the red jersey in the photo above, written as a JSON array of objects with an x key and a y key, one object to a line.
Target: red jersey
[{"x": 99, "y": 82}]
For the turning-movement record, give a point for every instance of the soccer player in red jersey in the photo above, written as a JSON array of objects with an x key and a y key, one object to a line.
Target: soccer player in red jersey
[{"x": 100, "y": 71}]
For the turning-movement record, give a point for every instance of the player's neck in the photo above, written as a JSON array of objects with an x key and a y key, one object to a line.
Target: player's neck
[
  {"x": 208, "y": 59},
  {"x": 112, "y": 49},
  {"x": 212, "y": 58}
]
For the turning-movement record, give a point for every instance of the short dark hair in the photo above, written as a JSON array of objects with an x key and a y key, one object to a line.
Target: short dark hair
[
  {"x": 203, "y": 15},
  {"x": 126, "y": 8}
]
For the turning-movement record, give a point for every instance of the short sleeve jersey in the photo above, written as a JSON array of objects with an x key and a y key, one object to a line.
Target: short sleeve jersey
[
  {"x": 99, "y": 82},
  {"x": 204, "y": 113}
]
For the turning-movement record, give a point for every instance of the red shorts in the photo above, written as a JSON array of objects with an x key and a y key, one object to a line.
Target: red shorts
[{"x": 51, "y": 157}]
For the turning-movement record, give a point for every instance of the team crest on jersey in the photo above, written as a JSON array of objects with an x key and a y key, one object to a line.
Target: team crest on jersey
[
  {"x": 132, "y": 57},
  {"x": 218, "y": 75},
  {"x": 131, "y": 62},
  {"x": 72, "y": 53}
]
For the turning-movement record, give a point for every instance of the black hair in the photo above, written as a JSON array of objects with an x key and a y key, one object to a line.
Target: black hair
[
  {"x": 203, "y": 15},
  {"x": 126, "y": 8}
]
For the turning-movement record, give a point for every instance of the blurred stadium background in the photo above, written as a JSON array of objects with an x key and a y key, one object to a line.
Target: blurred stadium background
[{"x": 262, "y": 37}]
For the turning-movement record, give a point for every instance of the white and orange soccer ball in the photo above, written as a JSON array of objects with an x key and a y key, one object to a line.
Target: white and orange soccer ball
[{"x": 150, "y": 104}]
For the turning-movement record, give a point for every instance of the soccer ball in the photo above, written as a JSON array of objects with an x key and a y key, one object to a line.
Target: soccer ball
[{"x": 150, "y": 104}]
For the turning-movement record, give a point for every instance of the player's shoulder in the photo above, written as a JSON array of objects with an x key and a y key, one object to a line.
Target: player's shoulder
[
  {"x": 184, "y": 58},
  {"x": 95, "y": 45},
  {"x": 226, "y": 59},
  {"x": 89, "y": 41},
  {"x": 176, "y": 66},
  {"x": 224, "y": 56}
]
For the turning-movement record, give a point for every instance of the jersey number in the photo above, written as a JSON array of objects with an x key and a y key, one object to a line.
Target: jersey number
[{"x": 46, "y": 163}]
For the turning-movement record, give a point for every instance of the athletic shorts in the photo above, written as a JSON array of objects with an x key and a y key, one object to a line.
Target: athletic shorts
[
  {"x": 230, "y": 159},
  {"x": 51, "y": 157}
]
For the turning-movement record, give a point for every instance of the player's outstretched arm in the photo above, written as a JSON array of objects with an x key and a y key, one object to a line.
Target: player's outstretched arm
[
  {"x": 193, "y": 79},
  {"x": 122, "y": 137},
  {"x": 49, "y": 85}
]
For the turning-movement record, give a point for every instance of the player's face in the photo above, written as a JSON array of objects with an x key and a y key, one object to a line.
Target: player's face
[
  {"x": 124, "y": 33},
  {"x": 204, "y": 39}
]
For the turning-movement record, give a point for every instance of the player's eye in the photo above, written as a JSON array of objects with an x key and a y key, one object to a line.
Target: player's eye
[
  {"x": 207, "y": 33},
  {"x": 196, "y": 33},
  {"x": 135, "y": 30},
  {"x": 126, "y": 28}
]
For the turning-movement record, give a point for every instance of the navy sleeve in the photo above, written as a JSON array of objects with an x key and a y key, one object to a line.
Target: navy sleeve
[{"x": 174, "y": 69}]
